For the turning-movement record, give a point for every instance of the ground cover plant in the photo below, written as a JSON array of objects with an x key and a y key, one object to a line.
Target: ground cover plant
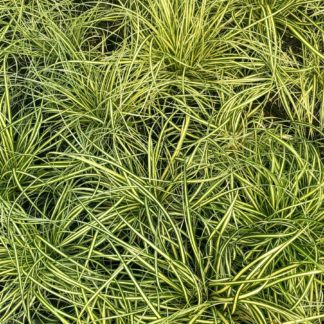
[{"x": 161, "y": 161}]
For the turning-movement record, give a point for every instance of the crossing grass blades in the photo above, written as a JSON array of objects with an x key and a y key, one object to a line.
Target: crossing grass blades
[{"x": 161, "y": 161}]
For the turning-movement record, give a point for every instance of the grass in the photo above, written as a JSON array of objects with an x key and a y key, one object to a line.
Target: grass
[{"x": 161, "y": 161}]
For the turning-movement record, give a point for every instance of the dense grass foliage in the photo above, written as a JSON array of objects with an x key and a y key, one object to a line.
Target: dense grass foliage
[{"x": 162, "y": 161}]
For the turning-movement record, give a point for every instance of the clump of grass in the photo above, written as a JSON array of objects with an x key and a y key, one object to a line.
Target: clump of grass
[{"x": 161, "y": 162}]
